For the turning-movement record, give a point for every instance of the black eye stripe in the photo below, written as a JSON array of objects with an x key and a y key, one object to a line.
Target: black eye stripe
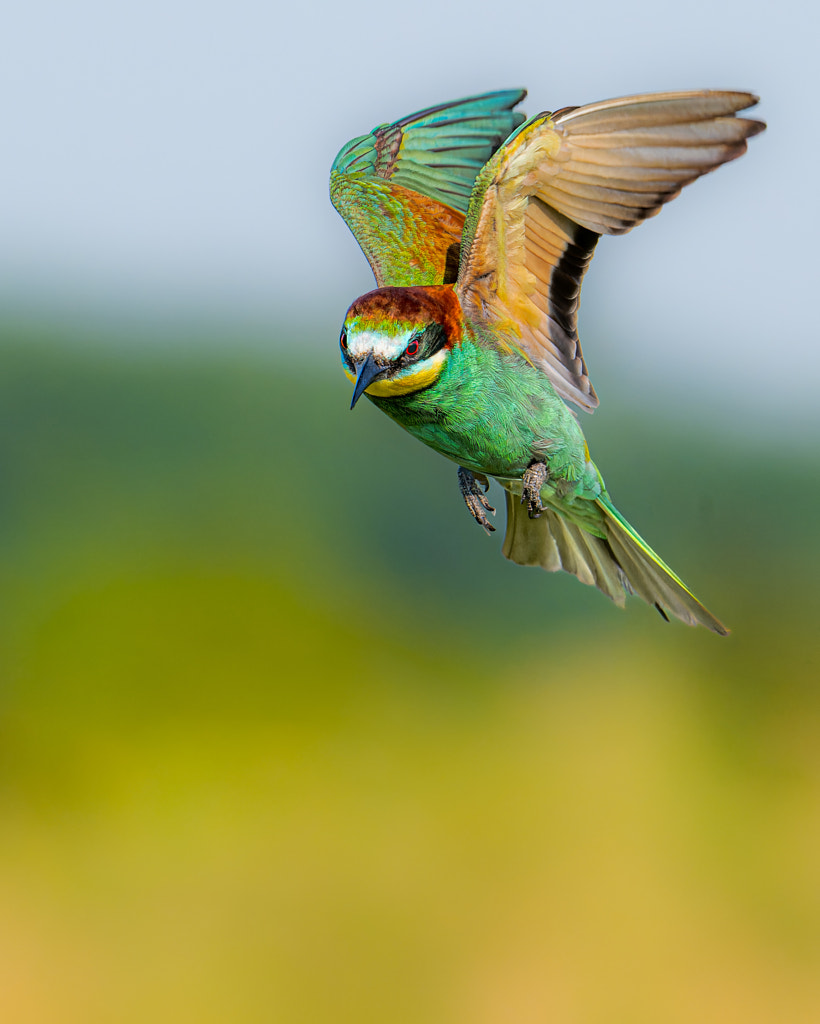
[
  {"x": 433, "y": 339},
  {"x": 345, "y": 354},
  {"x": 424, "y": 345}
]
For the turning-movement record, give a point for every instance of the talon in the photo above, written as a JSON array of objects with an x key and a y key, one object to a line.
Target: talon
[
  {"x": 469, "y": 484},
  {"x": 534, "y": 478}
]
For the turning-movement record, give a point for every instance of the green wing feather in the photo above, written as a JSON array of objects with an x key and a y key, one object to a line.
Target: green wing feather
[{"x": 404, "y": 188}]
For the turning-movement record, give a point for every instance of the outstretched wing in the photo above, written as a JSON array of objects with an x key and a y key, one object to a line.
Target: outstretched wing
[
  {"x": 404, "y": 188},
  {"x": 559, "y": 183}
]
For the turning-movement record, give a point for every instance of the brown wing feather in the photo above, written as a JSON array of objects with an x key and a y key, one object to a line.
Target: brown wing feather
[{"x": 557, "y": 185}]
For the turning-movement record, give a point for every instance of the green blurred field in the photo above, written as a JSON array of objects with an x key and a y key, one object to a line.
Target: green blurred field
[{"x": 284, "y": 738}]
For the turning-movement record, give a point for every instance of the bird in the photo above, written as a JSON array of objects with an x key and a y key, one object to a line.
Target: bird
[{"x": 479, "y": 225}]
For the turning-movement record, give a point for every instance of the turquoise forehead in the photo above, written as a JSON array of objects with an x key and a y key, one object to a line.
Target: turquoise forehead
[{"x": 390, "y": 327}]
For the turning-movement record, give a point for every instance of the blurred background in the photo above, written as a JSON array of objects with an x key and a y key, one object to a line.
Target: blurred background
[{"x": 282, "y": 736}]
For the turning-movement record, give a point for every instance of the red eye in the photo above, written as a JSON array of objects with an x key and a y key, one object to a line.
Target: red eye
[
  {"x": 412, "y": 348},
  {"x": 343, "y": 340}
]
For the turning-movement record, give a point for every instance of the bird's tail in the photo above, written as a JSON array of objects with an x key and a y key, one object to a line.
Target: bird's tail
[{"x": 614, "y": 558}]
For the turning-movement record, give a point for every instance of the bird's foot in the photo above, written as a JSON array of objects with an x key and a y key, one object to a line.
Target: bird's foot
[
  {"x": 470, "y": 485},
  {"x": 534, "y": 478}
]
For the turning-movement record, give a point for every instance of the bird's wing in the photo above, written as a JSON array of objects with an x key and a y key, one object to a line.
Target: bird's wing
[
  {"x": 559, "y": 183},
  {"x": 404, "y": 188}
]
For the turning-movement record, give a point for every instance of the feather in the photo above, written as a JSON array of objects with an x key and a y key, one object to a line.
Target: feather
[
  {"x": 558, "y": 183},
  {"x": 617, "y": 564},
  {"x": 404, "y": 188}
]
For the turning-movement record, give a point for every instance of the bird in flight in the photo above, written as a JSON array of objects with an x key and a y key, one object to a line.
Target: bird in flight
[{"x": 479, "y": 226}]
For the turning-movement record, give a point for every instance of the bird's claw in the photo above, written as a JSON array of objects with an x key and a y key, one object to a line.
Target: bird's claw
[
  {"x": 470, "y": 485},
  {"x": 534, "y": 478}
]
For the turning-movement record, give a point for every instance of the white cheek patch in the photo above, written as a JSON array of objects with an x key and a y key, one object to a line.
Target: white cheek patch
[{"x": 383, "y": 346}]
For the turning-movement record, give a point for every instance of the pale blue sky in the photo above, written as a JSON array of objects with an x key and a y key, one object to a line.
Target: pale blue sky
[{"x": 174, "y": 155}]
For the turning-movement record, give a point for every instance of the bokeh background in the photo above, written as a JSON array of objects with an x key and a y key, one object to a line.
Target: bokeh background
[{"x": 282, "y": 736}]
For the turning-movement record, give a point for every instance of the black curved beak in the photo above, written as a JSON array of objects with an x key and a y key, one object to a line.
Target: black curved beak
[{"x": 368, "y": 372}]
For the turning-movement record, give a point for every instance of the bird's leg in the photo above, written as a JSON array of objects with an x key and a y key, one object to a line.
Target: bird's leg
[
  {"x": 534, "y": 478},
  {"x": 470, "y": 485}
]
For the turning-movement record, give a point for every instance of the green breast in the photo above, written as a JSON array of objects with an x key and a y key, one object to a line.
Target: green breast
[{"x": 492, "y": 412}]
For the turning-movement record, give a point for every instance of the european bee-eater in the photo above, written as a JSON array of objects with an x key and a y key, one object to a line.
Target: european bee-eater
[{"x": 479, "y": 227}]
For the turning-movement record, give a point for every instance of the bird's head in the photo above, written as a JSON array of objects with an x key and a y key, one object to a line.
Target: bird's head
[{"x": 396, "y": 340}]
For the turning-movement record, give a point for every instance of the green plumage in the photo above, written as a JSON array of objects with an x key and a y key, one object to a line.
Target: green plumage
[
  {"x": 437, "y": 152},
  {"x": 493, "y": 413},
  {"x": 404, "y": 188}
]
